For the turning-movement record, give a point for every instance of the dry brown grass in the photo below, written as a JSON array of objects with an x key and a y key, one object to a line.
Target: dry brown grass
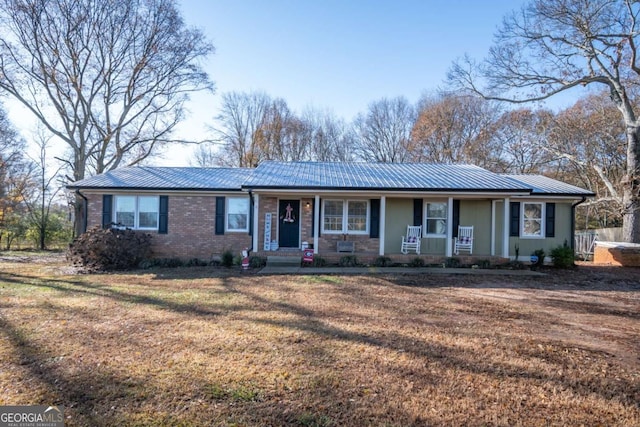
[{"x": 203, "y": 347}]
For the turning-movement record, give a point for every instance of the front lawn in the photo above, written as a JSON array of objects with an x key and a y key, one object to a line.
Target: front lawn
[{"x": 205, "y": 346}]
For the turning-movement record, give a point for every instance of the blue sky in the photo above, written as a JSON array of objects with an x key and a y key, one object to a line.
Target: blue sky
[{"x": 337, "y": 55}]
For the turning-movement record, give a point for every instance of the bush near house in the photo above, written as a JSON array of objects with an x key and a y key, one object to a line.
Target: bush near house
[{"x": 109, "y": 249}]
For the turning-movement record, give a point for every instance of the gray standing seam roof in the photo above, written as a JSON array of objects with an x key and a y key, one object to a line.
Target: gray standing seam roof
[
  {"x": 378, "y": 176},
  {"x": 328, "y": 176},
  {"x": 167, "y": 178},
  {"x": 543, "y": 185}
]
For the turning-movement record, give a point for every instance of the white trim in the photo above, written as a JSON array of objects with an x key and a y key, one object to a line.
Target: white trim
[
  {"x": 395, "y": 194},
  {"x": 136, "y": 210},
  {"x": 381, "y": 226},
  {"x": 543, "y": 210},
  {"x": 226, "y": 215},
  {"x": 316, "y": 223},
  {"x": 345, "y": 216},
  {"x": 425, "y": 228}
]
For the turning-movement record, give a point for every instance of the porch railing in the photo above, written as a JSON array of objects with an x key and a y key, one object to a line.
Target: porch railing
[{"x": 584, "y": 244}]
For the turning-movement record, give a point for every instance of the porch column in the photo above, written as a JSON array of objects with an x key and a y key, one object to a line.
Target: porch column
[
  {"x": 505, "y": 229},
  {"x": 449, "y": 252},
  {"x": 256, "y": 222},
  {"x": 316, "y": 223},
  {"x": 493, "y": 227},
  {"x": 383, "y": 215}
]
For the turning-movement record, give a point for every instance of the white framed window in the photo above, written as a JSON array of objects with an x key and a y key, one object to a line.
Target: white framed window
[
  {"x": 532, "y": 220},
  {"x": 435, "y": 219},
  {"x": 237, "y": 214},
  {"x": 136, "y": 212},
  {"x": 345, "y": 216}
]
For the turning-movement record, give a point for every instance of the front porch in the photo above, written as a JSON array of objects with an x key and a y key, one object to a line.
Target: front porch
[{"x": 369, "y": 258}]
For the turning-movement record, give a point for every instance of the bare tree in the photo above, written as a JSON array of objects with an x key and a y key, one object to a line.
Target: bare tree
[
  {"x": 109, "y": 78},
  {"x": 523, "y": 135},
  {"x": 590, "y": 140},
  {"x": 332, "y": 139},
  {"x": 383, "y": 134},
  {"x": 241, "y": 115},
  {"x": 453, "y": 128},
  {"x": 551, "y": 46}
]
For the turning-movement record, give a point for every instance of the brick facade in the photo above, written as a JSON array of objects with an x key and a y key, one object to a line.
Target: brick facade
[{"x": 191, "y": 230}]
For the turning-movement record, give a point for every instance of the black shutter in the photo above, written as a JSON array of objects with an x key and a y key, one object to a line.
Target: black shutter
[
  {"x": 374, "y": 224},
  {"x": 107, "y": 206},
  {"x": 163, "y": 215},
  {"x": 550, "y": 220},
  {"x": 514, "y": 223},
  {"x": 320, "y": 218},
  {"x": 456, "y": 217},
  {"x": 417, "y": 211},
  {"x": 220, "y": 202},
  {"x": 313, "y": 218}
]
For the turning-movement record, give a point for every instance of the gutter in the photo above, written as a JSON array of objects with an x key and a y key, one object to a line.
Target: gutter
[
  {"x": 85, "y": 211},
  {"x": 573, "y": 222}
]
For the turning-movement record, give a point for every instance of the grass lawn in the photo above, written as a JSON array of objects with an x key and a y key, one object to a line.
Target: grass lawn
[{"x": 204, "y": 346}]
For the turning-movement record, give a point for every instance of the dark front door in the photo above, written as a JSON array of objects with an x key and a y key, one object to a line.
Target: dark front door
[{"x": 289, "y": 223}]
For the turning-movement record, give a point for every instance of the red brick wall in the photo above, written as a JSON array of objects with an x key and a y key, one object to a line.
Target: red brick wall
[
  {"x": 326, "y": 242},
  {"x": 191, "y": 231}
]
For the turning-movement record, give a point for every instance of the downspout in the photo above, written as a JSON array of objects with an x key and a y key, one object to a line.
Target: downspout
[
  {"x": 85, "y": 211},
  {"x": 251, "y": 230},
  {"x": 573, "y": 222}
]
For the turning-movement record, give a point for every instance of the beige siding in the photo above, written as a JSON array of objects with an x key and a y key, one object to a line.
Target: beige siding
[
  {"x": 478, "y": 214},
  {"x": 399, "y": 214}
]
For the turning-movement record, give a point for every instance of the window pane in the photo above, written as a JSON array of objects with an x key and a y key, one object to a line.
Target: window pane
[
  {"x": 147, "y": 212},
  {"x": 237, "y": 221},
  {"x": 238, "y": 214},
  {"x": 532, "y": 221},
  {"x": 357, "y": 216},
  {"x": 125, "y": 211},
  {"x": 436, "y": 218},
  {"x": 332, "y": 219}
]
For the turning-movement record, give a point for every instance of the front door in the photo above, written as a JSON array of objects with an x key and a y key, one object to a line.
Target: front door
[{"x": 289, "y": 223}]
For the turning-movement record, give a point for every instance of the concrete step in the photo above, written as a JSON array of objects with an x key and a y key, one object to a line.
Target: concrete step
[{"x": 283, "y": 261}]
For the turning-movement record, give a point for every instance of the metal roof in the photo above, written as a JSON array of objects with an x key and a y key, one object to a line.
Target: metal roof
[
  {"x": 542, "y": 185},
  {"x": 167, "y": 178},
  {"x": 378, "y": 176},
  {"x": 328, "y": 176}
]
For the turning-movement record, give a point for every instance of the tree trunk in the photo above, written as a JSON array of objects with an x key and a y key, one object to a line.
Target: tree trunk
[
  {"x": 631, "y": 196},
  {"x": 79, "y": 207}
]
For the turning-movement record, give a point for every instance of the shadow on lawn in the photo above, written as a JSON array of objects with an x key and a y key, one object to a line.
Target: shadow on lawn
[{"x": 77, "y": 390}]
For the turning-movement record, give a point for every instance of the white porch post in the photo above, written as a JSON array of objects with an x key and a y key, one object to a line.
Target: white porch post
[
  {"x": 256, "y": 222},
  {"x": 316, "y": 223},
  {"x": 493, "y": 227},
  {"x": 383, "y": 215},
  {"x": 449, "y": 227},
  {"x": 505, "y": 229}
]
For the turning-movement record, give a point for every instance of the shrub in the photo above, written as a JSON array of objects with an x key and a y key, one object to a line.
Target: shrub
[
  {"x": 452, "y": 263},
  {"x": 484, "y": 264},
  {"x": 162, "y": 263},
  {"x": 416, "y": 262},
  {"x": 318, "y": 261},
  {"x": 562, "y": 256},
  {"x": 226, "y": 259},
  {"x": 383, "y": 261},
  {"x": 196, "y": 262},
  {"x": 348, "y": 261},
  {"x": 109, "y": 249},
  {"x": 257, "y": 261}
]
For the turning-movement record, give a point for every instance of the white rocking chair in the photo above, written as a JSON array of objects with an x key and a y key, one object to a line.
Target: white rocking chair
[
  {"x": 411, "y": 242},
  {"x": 464, "y": 241}
]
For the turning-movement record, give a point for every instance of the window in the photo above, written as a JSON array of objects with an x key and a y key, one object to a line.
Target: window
[
  {"x": 237, "y": 214},
  {"x": 435, "y": 219},
  {"x": 532, "y": 220},
  {"x": 345, "y": 216},
  {"x": 137, "y": 212},
  {"x": 357, "y": 216}
]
